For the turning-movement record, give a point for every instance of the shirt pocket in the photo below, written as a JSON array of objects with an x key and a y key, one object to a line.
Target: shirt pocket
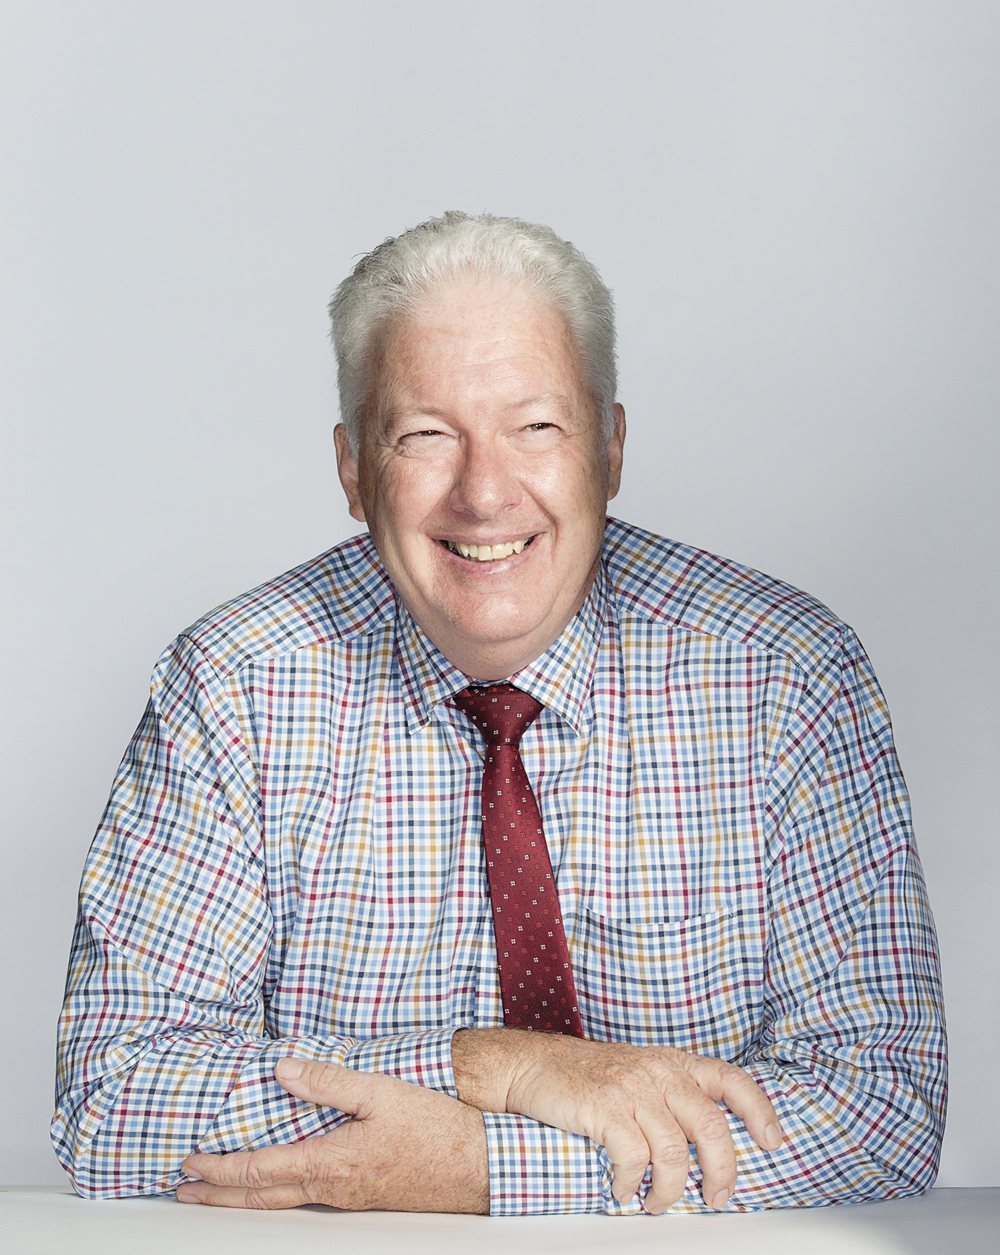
[{"x": 663, "y": 982}]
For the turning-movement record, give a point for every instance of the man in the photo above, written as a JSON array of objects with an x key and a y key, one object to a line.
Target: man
[{"x": 697, "y": 878}]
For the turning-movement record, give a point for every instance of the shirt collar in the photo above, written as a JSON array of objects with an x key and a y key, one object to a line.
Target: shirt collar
[{"x": 560, "y": 679}]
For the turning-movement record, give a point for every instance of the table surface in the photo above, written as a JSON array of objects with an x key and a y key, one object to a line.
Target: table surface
[{"x": 44, "y": 1220}]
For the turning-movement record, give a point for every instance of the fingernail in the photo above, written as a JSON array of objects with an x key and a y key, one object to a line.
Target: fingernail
[
  {"x": 290, "y": 1069},
  {"x": 186, "y": 1196},
  {"x": 720, "y": 1200},
  {"x": 773, "y": 1136}
]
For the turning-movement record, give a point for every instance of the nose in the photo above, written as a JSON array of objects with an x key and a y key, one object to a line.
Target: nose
[{"x": 485, "y": 482}]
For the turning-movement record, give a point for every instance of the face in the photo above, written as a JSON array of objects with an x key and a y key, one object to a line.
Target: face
[{"x": 483, "y": 475}]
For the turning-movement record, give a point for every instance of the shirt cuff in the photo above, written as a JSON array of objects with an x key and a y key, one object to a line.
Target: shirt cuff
[
  {"x": 420, "y": 1058},
  {"x": 536, "y": 1169}
]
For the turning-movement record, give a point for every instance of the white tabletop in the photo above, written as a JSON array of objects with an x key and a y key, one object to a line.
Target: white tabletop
[{"x": 41, "y": 1221}]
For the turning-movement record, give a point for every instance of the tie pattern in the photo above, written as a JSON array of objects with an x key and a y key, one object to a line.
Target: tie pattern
[{"x": 536, "y": 980}]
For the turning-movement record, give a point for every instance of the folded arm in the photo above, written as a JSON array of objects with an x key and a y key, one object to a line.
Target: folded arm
[
  {"x": 164, "y": 1037},
  {"x": 853, "y": 1075},
  {"x": 165, "y": 1044},
  {"x": 851, "y": 1048}
]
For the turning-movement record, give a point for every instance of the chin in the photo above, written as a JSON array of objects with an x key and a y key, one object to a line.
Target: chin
[
  {"x": 491, "y": 631},
  {"x": 494, "y": 625}
]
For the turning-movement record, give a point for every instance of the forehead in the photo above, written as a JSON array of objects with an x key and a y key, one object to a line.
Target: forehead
[{"x": 478, "y": 336}]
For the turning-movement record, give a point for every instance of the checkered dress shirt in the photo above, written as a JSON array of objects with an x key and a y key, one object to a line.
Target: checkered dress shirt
[{"x": 291, "y": 861}]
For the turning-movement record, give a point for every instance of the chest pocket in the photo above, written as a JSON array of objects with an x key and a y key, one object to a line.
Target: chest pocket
[{"x": 679, "y": 983}]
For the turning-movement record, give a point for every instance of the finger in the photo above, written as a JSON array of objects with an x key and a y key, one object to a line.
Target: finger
[
  {"x": 642, "y": 1136},
  {"x": 266, "y": 1198},
  {"x": 709, "y": 1131},
  {"x": 670, "y": 1157},
  {"x": 254, "y": 1169},
  {"x": 725, "y": 1082},
  {"x": 629, "y": 1154},
  {"x": 703, "y": 1124},
  {"x": 330, "y": 1085}
]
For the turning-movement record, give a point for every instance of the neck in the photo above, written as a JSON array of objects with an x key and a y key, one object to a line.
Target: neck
[
  {"x": 486, "y": 664},
  {"x": 488, "y": 661}
]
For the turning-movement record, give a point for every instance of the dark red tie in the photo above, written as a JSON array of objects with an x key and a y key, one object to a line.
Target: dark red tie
[{"x": 536, "y": 980}]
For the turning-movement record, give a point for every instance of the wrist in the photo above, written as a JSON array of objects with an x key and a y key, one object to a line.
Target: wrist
[
  {"x": 484, "y": 1062},
  {"x": 473, "y": 1196}
]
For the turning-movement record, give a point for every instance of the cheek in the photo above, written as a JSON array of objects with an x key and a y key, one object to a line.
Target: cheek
[
  {"x": 575, "y": 494},
  {"x": 402, "y": 496}
]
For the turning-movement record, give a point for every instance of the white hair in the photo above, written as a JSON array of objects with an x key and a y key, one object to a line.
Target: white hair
[{"x": 392, "y": 279}]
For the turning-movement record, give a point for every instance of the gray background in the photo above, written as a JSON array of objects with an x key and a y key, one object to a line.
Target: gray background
[{"x": 796, "y": 206}]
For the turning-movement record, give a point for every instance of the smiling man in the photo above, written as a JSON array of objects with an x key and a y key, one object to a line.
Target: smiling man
[
  {"x": 508, "y": 858},
  {"x": 485, "y": 474}
]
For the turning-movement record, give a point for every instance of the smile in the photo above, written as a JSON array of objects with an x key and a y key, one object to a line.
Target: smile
[{"x": 486, "y": 553}]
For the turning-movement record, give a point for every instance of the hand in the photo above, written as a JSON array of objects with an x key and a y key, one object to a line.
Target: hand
[
  {"x": 407, "y": 1149},
  {"x": 644, "y": 1104}
]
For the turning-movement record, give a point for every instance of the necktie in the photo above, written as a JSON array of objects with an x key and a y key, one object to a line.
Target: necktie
[{"x": 536, "y": 980}]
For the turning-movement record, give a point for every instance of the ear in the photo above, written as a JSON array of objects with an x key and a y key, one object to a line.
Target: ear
[
  {"x": 347, "y": 469},
  {"x": 616, "y": 450}
]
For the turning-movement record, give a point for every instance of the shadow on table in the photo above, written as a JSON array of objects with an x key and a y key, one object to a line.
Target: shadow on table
[{"x": 966, "y": 1221}]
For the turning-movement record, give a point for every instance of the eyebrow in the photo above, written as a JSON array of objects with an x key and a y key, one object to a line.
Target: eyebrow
[
  {"x": 392, "y": 415},
  {"x": 546, "y": 398}
]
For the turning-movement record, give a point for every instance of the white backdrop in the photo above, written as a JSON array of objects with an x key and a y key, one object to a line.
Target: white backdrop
[{"x": 796, "y": 206}]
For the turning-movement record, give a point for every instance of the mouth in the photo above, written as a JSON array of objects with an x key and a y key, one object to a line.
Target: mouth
[{"x": 486, "y": 553}]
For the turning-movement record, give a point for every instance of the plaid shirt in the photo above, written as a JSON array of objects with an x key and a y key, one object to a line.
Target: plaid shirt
[{"x": 291, "y": 862}]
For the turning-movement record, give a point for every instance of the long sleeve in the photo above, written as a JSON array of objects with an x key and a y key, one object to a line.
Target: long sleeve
[
  {"x": 291, "y": 862},
  {"x": 851, "y": 1048},
  {"x": 165, "y": 1041}
]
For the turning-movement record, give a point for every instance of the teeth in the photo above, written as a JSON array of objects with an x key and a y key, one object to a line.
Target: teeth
[{"x": 486, "y": 553}]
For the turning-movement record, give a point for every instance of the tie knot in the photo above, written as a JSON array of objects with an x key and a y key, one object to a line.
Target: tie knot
[{"x": 501, "y": 711}]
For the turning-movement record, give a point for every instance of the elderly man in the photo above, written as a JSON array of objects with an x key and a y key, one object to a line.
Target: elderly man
[{"x": 493, "y": 860}]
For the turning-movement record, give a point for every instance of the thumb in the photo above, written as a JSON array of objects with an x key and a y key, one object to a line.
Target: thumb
[{"x": 329, "y": 1085}]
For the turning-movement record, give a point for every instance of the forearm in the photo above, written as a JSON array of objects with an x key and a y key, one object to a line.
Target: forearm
[
  {"x": 849, "y": 1138},
  {"x": 861, "y": 1121},
  {"x": 128, "y": 1131},
  {"x": 146, "y": 1077},
  {"x": 534, "y": 1169},
  {"x": 827, "y": 1155}
]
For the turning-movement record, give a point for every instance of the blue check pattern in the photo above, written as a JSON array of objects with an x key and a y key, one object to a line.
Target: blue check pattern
[{"x": 291, "y": 862}]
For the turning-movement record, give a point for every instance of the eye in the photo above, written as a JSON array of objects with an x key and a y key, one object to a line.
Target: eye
[
  {"x": 425, "y": 433},
  {"x": 539, "y": 426}
]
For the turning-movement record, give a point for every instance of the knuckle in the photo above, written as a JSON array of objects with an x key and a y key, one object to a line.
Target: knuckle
[
  {"x": 320, "y": 1075},
  {"x": 256, "y": 1200},
  {"x": 712, "y": 1126},
  {"x": 252, "y": 1177},
  {"x": 333, "y": 1168},
  {"x": 620, "y": 1074},
  {"x": 632, "y": 1162},
  {"x": 662, "y": 1064},
  {"x": 672, "y": 1154}
]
